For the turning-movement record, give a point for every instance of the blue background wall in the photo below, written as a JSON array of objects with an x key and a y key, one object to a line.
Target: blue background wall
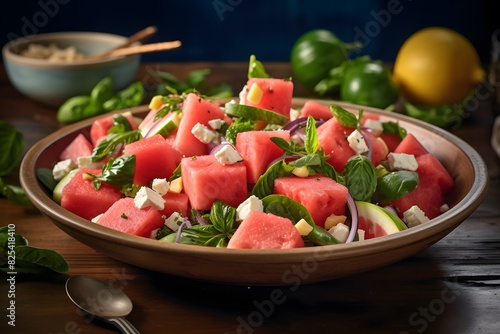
[{"x": 231, "y": 30}]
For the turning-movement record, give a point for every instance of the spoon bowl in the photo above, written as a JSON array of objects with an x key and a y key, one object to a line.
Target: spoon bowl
[{"x": 102, "y": 300}]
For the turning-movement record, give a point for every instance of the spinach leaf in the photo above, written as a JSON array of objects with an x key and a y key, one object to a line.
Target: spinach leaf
[
  {"x": 11, "y": 147},
  {"x": 46, "y": 177},
  {"x": 360, "y": 178},
  {"x": 394, "y": 185}
]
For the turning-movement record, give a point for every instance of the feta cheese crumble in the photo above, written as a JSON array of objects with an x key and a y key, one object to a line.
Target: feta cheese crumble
[
  {"x": 161, "y": 186},
  {"x": 204, "y": 134},
  {"x": 62, "y": 168},
  {"x": 375, "y": 126},
  {"x": 228, "y": 155},
  {"x": 148, "y": 197},
  {"x": 357, "y": 142},
  {"x": 414, "y": 216},
  {"x": 251, "y": 203},
  {"x": 402, "y": 161},
  {"x": 174, "y": 221}
]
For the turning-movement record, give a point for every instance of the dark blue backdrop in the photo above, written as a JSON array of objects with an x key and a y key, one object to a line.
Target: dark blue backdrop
[{"x": 231, "y": 30}]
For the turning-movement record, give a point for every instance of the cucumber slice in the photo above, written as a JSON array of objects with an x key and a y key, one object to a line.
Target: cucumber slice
[
  {"x": 255, "y": 114},
  {"x": 164, "y": 126},
  {"x": 379, "y": 220},
  {"x": 57, "y": 193}
]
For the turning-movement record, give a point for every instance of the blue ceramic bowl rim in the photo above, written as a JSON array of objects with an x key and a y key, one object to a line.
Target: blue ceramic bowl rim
[{"x": 10, "y": 55}]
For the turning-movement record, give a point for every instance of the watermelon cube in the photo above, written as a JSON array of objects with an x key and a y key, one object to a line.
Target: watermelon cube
[
  {"x": 175, "y": 202},
  {"x": 125, "y": 217},
  {"x": 195, "y": 109},
  {"x": 205, "y": 179},
  {"x": 332, "y": 138},
  {"x": 261, "y": 230},
  {"x": 434, "y": 182},
  {"x": 100, "y": 127},
  {"x": 258, "y": 151},
  {"x": 83, "y": 199},
  {"x": 80, "y": 146},
  {"x": 321, "y": 195},
  {"x": 316, "y": 109},
  {"x": 276, "y": 94},
  {"x": 411, "y": 145},
  {"x": 155, "y": 158}
]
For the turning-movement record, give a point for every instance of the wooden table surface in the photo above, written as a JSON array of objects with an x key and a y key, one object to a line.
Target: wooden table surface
[{"x": 452, "y": 287}]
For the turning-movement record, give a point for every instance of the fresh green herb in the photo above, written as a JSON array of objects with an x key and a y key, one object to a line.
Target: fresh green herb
[
  {"x": 130, "y": 96},
  {"x": 124, "y": 216},
  {"x": 256, "y": 69},
  {"x": 444, "y": 116},
  {"x": 11, "y": 147},
  {"x": 17, "y": 256},
  {"x": 101, "y": 99},
  {"x": 117, "y": 172},
  {"x": 107, "y": 146},
  {"x": 394, "y": 128},
  {"x": 345, "y": 117},
  {"x": 46, "y": 177},
  {"x": 395, "y": 185},
  {"x": 360, "y": 177},
  {"x": 195, "y": 80},
  {"x": 216, "y": 234},
  {"x": 239, "y": 125}
]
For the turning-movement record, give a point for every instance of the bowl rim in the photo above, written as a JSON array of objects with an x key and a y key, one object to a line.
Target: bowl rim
[
  {"x": 446, "y": 221},
  {"x": 10, "y": 55}
]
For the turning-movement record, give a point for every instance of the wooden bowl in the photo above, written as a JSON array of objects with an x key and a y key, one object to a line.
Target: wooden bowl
[{"x": 269, "y": 267}]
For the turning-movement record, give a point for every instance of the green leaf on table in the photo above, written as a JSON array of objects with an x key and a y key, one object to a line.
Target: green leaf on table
[{"x": 11, "y": 147}]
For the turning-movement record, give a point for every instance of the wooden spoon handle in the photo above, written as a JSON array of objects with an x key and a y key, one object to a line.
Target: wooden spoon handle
[{"x": 145, "y": 48}]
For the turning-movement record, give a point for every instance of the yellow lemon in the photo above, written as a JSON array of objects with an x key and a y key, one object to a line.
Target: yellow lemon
[{"x": 437, "y": 66}]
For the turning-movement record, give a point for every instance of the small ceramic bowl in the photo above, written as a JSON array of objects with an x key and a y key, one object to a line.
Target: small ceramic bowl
[{"x": 53, "y": 82}]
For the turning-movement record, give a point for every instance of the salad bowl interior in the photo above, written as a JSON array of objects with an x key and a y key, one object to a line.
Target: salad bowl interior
[{"x": 269, "y": 267}]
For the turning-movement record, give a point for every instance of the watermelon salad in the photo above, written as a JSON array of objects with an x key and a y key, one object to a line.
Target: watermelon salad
[{"x": 253, "y": 174}]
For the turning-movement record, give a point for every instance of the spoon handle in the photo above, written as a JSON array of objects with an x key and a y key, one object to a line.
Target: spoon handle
[{"x": 123, "y": 325}]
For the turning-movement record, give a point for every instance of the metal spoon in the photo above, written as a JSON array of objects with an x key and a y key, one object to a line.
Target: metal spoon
[{"x": 102, "y": 300}]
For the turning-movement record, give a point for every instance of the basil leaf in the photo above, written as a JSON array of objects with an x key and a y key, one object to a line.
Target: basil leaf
[
  {"x": 111, "y": 142},
  {"x": 201, "y": 235},
  {"x": 222, "y": 216},
  {"x": 117, "y": 172},
  {"x": 311, "y": 142},
  {"x": 131, "y": 96},
  {"x": 394, "y": 128},
  {"x": 37, "y": 260},
  {"x": 265, "y": 184},
  {"x": 283, "y": 206},
  {"x": 360, "y": 177},
  {"x": 344, "y": 117},
  {"x": 256, "y": 69},
  {"x": 395, "y": 185},
  {"x": 14, "y": 194},
  {"x": 11, "y": 147}
]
